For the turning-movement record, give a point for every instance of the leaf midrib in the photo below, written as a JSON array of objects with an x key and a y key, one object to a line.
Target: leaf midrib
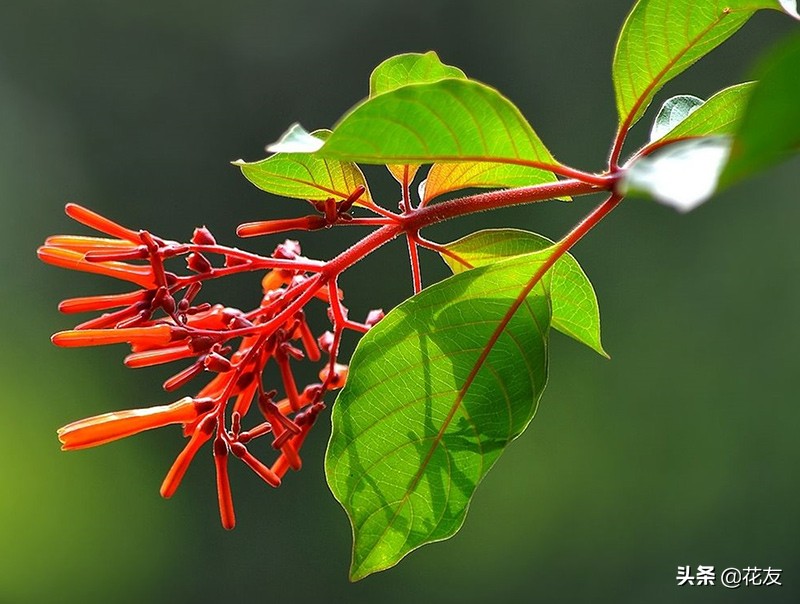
[{"x": 501, "y": 327}]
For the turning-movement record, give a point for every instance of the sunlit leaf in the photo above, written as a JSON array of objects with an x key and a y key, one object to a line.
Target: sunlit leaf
[
  {"x": 575, "y": 311},
  {"x": 661, "y": 38},
  {"x": 672, "y": 113},
  {"x": 429, "y": 406},
  {"x": 682, "y": 175},
  {"x": 446, "y": 121},
  {"x": 410, "y": 68},
  {"x": 401, "y": 70},
  {"x": 769, "y": 130},
  {"x": 444, "y": 178},
  {"x": 306, "y": 175},
  {"x": 296, "y": 140},
  {"x": 718, "y": 115}
]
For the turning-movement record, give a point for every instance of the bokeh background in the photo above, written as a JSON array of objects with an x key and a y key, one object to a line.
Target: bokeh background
[{"x": 682, "y": 450}]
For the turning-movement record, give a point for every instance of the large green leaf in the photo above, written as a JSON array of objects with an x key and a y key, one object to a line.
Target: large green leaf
[
  {"x": 769, "y": 130},
  {"x": 575, "y": 311},
  {"x": 431, "y": 402},
  {"x": 401, "y": 70},
  {"x": 305, "y": 175},
  {"x": 410, "y": 68},
  {"x": 451, "y": 120},
  {"x": 661, "y": 38},
  {"x": 719, "y": 115}
]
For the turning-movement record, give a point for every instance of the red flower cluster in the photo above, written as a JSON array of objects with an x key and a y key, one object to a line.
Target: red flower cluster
[{"x": 161, "y": 322}]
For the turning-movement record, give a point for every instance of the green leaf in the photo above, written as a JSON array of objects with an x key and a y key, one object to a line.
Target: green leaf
[
  {"x": 662, "y": 38},
  {"x": 575, "y": 311},
  {"x": 401, "y": 70},
  {"x": 673, "y": 112},
  {"x": 430, "y": 404},
  {"x": 682, "y": 175},
  {"x": 305, "y": 175},
  {"x": 410, "y": 68},
  {"x": 769, "y": 130},
  {"x": 452, "y": 120},
  {"x": 424, "y": 68},
  {"x": 718, "y": 115}
]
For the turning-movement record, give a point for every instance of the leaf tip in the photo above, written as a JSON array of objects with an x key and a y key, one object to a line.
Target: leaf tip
[
  {"x": 238, "y": 162},
  {"x": 296, "y": 140}
]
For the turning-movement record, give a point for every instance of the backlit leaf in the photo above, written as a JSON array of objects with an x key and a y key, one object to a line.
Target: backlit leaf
[
  {"x": 672, "y": 113},
  {"x": 718, "y": 115},
  {"x": 429, "y": 406},
  {"x": 410, "y": 68},
  {"x": 444, "y": 178},
  {"x": 682, "y": 175},
  {"x": 575, "y": 311},
  {"x": 661, "y": 38},
  {"x": 305, "y": 175},
  {"x": 296, "y": 140},
  {"x": 769, "y": 130},
  {"x": 450, "y": 120},
  {"x": 401, "y": 70}
]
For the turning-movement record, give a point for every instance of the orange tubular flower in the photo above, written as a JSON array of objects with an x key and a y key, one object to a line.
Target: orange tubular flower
[
  {"x": 162, "y": 323},
  {"x": 156, "y": 335},
  {"x": 67, "y": 258},
  {"x": 107, "y": 427}
]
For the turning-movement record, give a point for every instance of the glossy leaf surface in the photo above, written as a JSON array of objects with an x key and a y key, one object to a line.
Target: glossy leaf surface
[
  {"x": 682, "y": 175},
  {"x": 718, "y": 115},
  {"x": 673, "y": 112}
]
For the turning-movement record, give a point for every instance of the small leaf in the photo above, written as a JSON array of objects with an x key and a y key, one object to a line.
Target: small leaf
[
  {"x": 718, "y": 115},
  {"x": 451, "y": 120},
  {"x": 682, "y": 175},
  {"x": 662, "y": 38},
  {"x": 431, "y": 402},
  {"x": 575, "y": 311},
  {"x": 398, "y": 171},
  {"x": 296, "y": 140},
  {"x": 769, "y": 130},
  {"x": 672, "y": 113},
  {"x": 306, "y": 175},
  {"x": 410, "y": 68},
  {"x": 444, "y": 178},
  {"x": 401, "y": 70}
]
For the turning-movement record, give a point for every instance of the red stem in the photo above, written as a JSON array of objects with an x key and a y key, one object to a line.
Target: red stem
[
  {"x": 413, "y": 255},
  {"x": 498, "y": 199}
]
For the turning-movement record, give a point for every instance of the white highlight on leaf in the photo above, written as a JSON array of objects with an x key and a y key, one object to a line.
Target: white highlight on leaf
[
  {"x": 682, "y": 175},
  {"x": 672, "y": 113},
  {"x": 296, "y": 140},
  {"x": 790, "y": 6},
  {"x": 421, "y": 189}
]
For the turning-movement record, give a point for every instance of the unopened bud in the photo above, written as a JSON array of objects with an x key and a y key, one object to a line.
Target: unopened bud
[{"x": 202, "y": 236}]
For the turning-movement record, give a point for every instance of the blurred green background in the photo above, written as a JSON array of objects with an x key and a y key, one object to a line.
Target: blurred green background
[{"x": 682, "y": 450}]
